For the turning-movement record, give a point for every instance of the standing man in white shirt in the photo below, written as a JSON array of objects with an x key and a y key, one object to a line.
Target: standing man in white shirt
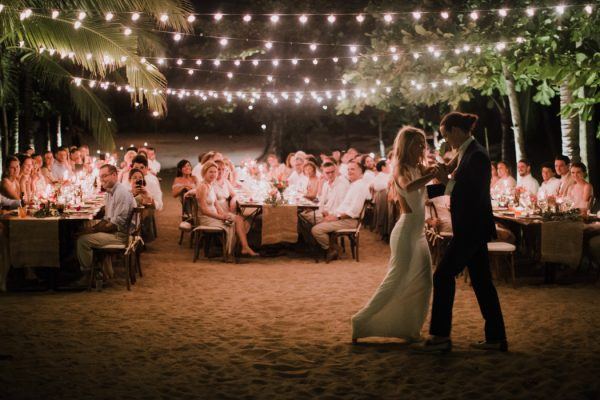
[
  {"x": 152, "y": 183},
  {"x": 346, "y": 214},
  {"x": 153, "y": 164},
  {"x": 525, "y": 180},
  {"x": 551, "y": 183}
]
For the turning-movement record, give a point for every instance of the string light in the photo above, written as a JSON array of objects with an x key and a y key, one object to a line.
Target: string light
[
  {"x": 445, "y": 15},
  {"x": 303, "y": 19},
  {"x": 218, "y": 17},
  {"x": 274, "y": 18},
  {"x": 474, "y": 15},
  {"x": 588, "y": 9},
  {"x": 313, "y": 47},
  {"x": 331, "y": 18},
  {"x": 177, "y": 37},
  {"x": 77, "y": 24},
  {"x": 164, "y": 18},
  {"x": 503, "y": 12},
  {"x": 416, "y": 15},
  {"x": 247, "y": 18},
  {"x": 560, "y": 9},
  {"x": 223, "y": 42},
  {"x": 530, "y": 11},
  {"x": 269, "y": 45},
  {"x": 55, "y": 14},
  {"x": 388, "y": 18},
  {"x": 127, "y": 31},
  {"x": 81, "y": 16},
  {"x": 191, "y": 18},
  {"x": 360, "y": 18},
  {"x": 135, "y": 16},
  {"x": 109, "y": 16}
]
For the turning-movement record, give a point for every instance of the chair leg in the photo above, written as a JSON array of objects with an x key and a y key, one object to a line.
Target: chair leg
[
  {"x": 92, "y": 272},
  {"x": 126, "y": 259},
  {"x": 343, "y": 243},
  {"x": 512, "y": 269},
  {"x": 197, "y": 238},
  {"x": 192, "y": 237},
  {"x": 137, "y": 262},
  {"x": 180, "y": 237},
  {"x": 224, "y": 241},
  {"x": 357, "y": 247}
]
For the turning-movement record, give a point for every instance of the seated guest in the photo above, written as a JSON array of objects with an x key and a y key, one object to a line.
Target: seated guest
[
  {"x": 211, "y": 213},
  {"x": 223, "y": 188},
  {"x": 525, "y": 181},
  {"x": 138, "y": 189},
  {"x": 230, "y": 173},
  {"x": 581, "y": 192},
  {"x": 337, "y": 156},
  {"x": 505, "y": 181},
  {"x": 153, "y": 163},
  {"x": 184, "y": 180},
  {"x": 347, "y": 157},
  {"x": 313, "y": 182},
  {"x": 113, "y": 228},
  {"x": 551, "y": 184},
  {"x": 494, "y": 174},
  {"x": 275, "y": 168},
  {"x": 381, "y": 180},
  {"x": 88, "y": 166},
  {"x": 368, "y": 165},
  {"x": 84, "y": 149},
  {"x": 76, "y": 160},
  {"x": 442, "y": 221},
  {"x": 38, "y": 177},
  {"x": 61, "y": 169},
  {"x": 562, "y": 167},
  {"x": 10, "y": 204},
  {"x": 346, "y": 215},
  {"x": 333, "y": 190},
  {"x": 126, "y": 165},
  {"x": 297, "y": 178},
  {"x": 152, "y": 183},
  {"x": 289, "y": 164},
  {"x": 47, "y": 168},
  {"x": 26, "y": 180},
  {"x": 11, "y": 179}
]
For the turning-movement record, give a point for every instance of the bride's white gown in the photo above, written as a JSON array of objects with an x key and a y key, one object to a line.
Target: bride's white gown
[{"x": 400, "y": 304}]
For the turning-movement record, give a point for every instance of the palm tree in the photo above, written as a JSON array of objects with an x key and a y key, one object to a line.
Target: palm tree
[{"x": 56, "y": 52}]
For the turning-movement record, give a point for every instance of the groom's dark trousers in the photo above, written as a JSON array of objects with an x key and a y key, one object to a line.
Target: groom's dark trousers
[
  {"x": 473, "y": 226},
  {"x": 475, "y": 258}
]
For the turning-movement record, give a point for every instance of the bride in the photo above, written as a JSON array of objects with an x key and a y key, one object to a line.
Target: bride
[{"x": 400, "y": 304}]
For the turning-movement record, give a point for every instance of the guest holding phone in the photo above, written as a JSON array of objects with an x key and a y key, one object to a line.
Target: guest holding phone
[{"x": 138, "y": 189}]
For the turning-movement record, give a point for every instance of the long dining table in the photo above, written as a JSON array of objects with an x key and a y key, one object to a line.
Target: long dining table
[{"x": 29, "y": 241}]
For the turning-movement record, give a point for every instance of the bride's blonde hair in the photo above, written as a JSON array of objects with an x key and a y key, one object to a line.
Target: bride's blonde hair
[{"x": 402, "y": 144}]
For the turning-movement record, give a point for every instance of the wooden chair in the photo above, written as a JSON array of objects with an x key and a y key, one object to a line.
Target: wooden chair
[
  {"x": 207, "y": 234},
  {"x": 353, "y": 234},
  {"x": 187, "y": 223},
  {"x": 437, "y": 240},
  {"x": 129, "y": 252},
  {"x": 503, "y": 251}
]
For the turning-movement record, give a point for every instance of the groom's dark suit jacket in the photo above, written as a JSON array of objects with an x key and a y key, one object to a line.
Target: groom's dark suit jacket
[{"x": 470, "y": 202}]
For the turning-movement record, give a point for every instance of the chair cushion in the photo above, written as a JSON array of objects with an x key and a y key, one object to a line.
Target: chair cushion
[
  {"x": 185, "y": 226},
  {"x": 111, "y": 247},
  {"x": 446, "y": 234},
  {"x": 205, "y": 228},
  {"x": 346, "y": 231},
  {"x": 501, "y": 247}
]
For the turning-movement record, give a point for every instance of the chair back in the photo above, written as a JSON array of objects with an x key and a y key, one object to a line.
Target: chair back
[
  {"x": 135, "y": 224},
  {"x": 363, "y": 212}
]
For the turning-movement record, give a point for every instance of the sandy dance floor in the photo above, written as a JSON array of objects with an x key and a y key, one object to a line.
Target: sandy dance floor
[{"x": 279, "y": 328}]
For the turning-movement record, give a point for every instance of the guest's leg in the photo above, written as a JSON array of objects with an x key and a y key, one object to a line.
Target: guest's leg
[
  {"x": 321, "y": 231},
  {"x": 85, "y": 244},
  {"x": 444, "y": 285},
  {"x": 487, "y": 297},
  {"x": 240, "y": 230}
]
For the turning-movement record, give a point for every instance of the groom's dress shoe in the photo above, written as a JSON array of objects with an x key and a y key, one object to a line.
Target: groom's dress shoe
[
  {"x": 501, "y": 345},
  {"x": 430, "y": 346}
]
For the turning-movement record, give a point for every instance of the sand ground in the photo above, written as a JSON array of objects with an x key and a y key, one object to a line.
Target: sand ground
[{"x": 278, "y": 328}]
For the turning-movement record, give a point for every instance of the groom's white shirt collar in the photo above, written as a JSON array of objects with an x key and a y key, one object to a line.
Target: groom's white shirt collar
[{"x": 461, "y": 152}]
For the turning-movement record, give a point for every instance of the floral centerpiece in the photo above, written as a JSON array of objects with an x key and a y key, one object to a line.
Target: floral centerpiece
[{"x": 275, "y": 196}]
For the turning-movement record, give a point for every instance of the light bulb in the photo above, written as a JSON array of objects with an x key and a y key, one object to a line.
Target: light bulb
[
  {"x": 198, "y": 62},
  {"x": 335, "y": 59},
  {"x": 190, "y": 71},
  {"x": 313, "y": 46},
  {"x": 353, "y": 49},
  {"x": 315, "y": 61},
  {"x": 588, "y": 9},
  {"x": 269, "y": 45},
  {"x": 223, "y": 42},
  {"x": 393, "y": 49},
  {"x": 560, "y": 9},
  {"x": 360, "y": 18},
  {"x": 275, "y": 63},
  {"x": 109, "y": 16},
  {"x": 303, "y": 19},
  {"x": 274, "y": 18},
  {"x": 474, "y": 15},
  {"x": 503, "y": 12},
  {"x": 179, "y": 61},
  {"x": 160, "y": 61},
  {"x": 255, "y": 62},
  {"x": 177, "y": 37},
  {"x": 216, "y": 63},
  {"x": 388, "y": 18},
  {"x": 395, "y": 57},
  {"x": 375, "y": 58},
  {"x": 230, "y": 75},
  {"x": 191, "y": 18},
  {"x": 236, "y": 63},
  {"x": 294, "y": 61},
  {"x": 416, "y": 15},
  {"x": 354, "y": 59},
  {"x": 445, "y": 15},
  {"x": 135, "y": 16},
  {"x": 164, "y": 17},
  {"x": 127, "y": 31},
  {"x": 77, "y": 24},
  {"x": 81, "y": 16},
  {"x": 307, "y": 80},
  {"x": 247, "y": 18},
  {"x": 530, "y": 11},
  {"x": 331, "y": 19},
  {"x": 218, "y": 16},
  {"x": 269, "y": 78},
  {"x": 55, "y": 14}
]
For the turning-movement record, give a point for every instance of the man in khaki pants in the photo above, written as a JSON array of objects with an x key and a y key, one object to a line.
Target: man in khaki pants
[{"x": 346, "y": 215}]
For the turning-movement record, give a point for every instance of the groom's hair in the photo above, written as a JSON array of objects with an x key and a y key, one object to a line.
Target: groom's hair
[
  {"x": 560, "y": 157},
  {"x": 463, "y": 121}
]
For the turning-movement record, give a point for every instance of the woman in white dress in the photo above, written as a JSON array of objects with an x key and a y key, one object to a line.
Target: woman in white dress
[
  {"x": 400, "y": 304},
  {"x": 223, "y": 188},
  {"x": 211, "y": 213}
]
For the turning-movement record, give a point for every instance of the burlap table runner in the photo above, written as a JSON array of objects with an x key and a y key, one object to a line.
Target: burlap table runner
[
  {"x": 562, "y": 242},
  {"x": 34, "y": 243},
  {"x": 279, "y": 224}
]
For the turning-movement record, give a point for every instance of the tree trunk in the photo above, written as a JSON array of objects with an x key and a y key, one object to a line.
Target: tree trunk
[
  {"x": 16, "y": 131},
  {"x": 505, "y": 142},
  {"x": 568, "y": 126},
  {"x": 515, "y": 114},
  {"x": 27, "y": 108},
  {"x": 48, "y": 136},
  {"x": 59, "y": 131},
  {"x": 380, "y": 117},
  {"x": 587, "y": 146}
]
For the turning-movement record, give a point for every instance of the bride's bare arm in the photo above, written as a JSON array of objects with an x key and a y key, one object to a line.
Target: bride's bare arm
[{"x": 418, "y": 183}]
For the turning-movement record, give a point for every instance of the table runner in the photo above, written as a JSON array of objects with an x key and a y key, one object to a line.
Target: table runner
[
  {"x": 279, "y": 224},
  {"x": 562, "y": 242},
  {"x": 34, "y": 243}
]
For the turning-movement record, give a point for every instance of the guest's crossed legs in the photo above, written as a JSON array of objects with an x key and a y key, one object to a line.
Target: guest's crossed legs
[
  {"x": 322, "y": 230},
  {"x": 475, "y": 258}
]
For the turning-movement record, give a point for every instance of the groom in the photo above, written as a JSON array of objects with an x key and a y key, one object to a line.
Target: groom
[{"x": 470, "y": 206}]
